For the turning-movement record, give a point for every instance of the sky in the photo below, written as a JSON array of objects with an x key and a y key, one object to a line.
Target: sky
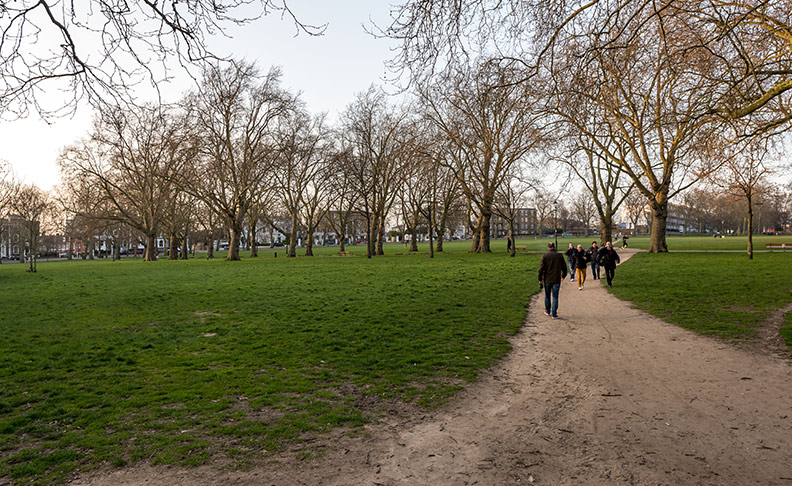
[{"x": 329, "y": 70}]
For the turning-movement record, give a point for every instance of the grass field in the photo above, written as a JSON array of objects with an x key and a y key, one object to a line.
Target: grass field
[
  {"x": 177, "y": 362},
  {"x": 724, "y": 294}
]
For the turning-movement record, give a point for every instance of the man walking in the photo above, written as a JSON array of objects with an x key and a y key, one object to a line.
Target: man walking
[
  {"x": 570, "y": 254},
  {"x": 552, "y": 270},
  {"x": 581, "y": 262},
  {"x": 592, "y": 255},
  {"x": 608, "y": 258}
]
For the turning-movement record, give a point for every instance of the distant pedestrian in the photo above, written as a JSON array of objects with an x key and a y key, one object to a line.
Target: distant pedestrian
[
  {"x": 581, "y": 262},
  {"x": 552, "y": 271},
  {"x": 608, "y": 258},
  {"x": 570, "y": 254},
  {"x": 624, "y": 241},
  {"x": 592, "y": 256}
]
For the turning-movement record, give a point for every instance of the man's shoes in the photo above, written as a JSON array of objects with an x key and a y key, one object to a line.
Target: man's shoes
[
  {"x": 556, "y": 317},
  {"x": 547, "y": 313}
]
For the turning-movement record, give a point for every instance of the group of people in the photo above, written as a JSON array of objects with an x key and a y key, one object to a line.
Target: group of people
[
  {"x": 553, "y": 269},
  {"x": 578, "y": 259}
]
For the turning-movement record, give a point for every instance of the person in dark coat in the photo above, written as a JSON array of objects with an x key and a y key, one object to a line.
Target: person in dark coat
[
  {"x": 592, "y": 256},
  {"x": 552, "y": 270},
  {"x": 608, "y": 259},
  {"x": 581, "y": 262},
  {"x": 570, "y": 254}
]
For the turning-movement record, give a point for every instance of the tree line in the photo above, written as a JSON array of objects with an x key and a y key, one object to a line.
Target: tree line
[{"x": 628, "y": 97}]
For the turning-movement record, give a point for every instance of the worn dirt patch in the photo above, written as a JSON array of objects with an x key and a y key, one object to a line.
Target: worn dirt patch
[{"x": 606, "y": 395}]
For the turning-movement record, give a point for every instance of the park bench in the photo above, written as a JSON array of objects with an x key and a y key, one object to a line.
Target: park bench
[
  {"x": 520, "y": 247},
  {"x": 344, "y": 253},
  {"x": 778, "y": 246}
]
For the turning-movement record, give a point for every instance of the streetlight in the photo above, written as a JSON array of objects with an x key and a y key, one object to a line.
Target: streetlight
[{"x": 555, "y": 221}]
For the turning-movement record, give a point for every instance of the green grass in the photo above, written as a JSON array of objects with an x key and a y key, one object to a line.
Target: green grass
[
  {"x": 704, "y": 242},
  {"x": 722, "y": 294},
  {"x": 674, "y": 242},
  {"x": 180, "y": 362}
]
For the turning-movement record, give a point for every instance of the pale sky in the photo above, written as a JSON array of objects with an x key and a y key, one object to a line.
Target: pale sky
[{"x": 329, "y": 70}]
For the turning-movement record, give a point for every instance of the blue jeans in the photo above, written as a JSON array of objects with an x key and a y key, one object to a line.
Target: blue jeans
[
  {"x": 571, "y": 270},
  {"x": 551, "y": 288}
]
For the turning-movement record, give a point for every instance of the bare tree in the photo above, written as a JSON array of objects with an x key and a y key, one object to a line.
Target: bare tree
[
  {"x": 234, "y": 118},
  {"x": 343, "y": 197},
  {"x": 635, "y": 204},
  {"x": 374, "y": 133},
  {"x": 299, "y": 176},
  {"x": 584, "y": 209},
  {"x": 100, "y": 51},
  {"x": 490, "y": 121},
  {"x": 744, "y": 175},
  {"x": 509, "y": 200},
  {"x": 545, "y": 204},
  {"x": 31, "y": 205},
  {"x": 133, "y": 159}
]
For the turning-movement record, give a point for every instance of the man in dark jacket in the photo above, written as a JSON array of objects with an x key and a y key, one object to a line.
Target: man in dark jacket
[
  {"x": 552, "y": 270},
  {"x": 608, "y": 258},
  {"x": 570, "y": 254},
  {"x": 592, "y": 254}
]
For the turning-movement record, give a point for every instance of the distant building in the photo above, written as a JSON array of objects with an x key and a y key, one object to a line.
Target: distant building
[
  {"x": 524, "y": 224},
  {"x": 676, "y": 222}
]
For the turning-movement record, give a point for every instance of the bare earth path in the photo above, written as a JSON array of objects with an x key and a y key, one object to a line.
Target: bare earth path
[{"x": 605, "y": 395}]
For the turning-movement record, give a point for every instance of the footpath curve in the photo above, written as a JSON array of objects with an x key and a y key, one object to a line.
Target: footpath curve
[{"x": 605, "y": 395}]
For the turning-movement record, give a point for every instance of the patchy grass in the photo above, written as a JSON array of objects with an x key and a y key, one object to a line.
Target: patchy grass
[
  {"x": 177, "y": 362},
  {"x": 786, "y": 330},
  {"x": 722, "y": 294}
]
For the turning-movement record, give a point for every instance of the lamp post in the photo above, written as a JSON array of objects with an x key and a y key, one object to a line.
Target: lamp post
[{"x": 555, "y": 222}]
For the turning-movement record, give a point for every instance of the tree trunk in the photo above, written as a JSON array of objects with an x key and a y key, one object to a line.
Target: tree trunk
[
  {"x": 92, "y": 245},
  {"x": 185, "y": 250},
  {"x": 413, "y": 239},
  {"x": 510, "y": 236},
  {"x": 309, "y": 243},
  {"x": 657, "y": 241},
  {"x": 291, "y": 252},
  {"x": 71, "y": 248},
  {"x": 116, "y": 251},
  {"x": 150, "y": 254},
  {"x": 380, "y": 235},
  {"x": 750, "y": 227},
  {"x": 253, "y": 242},
  {"x": 369, "y": 234},
  {"x": 476, "y": 235},
  {"x": 484, "y": 232},
  {"x": 431, "y": 235},
  {"x": 173, "y": 245},
  {"x": 440, "y": 236},
  {"x": 233, "y": 245},
  {"x": 606, "y": 231},
  {"x": 210, "y": 246}
]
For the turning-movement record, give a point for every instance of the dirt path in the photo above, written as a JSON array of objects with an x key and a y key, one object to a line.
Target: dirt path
[{"x": 605, "y": 395}]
